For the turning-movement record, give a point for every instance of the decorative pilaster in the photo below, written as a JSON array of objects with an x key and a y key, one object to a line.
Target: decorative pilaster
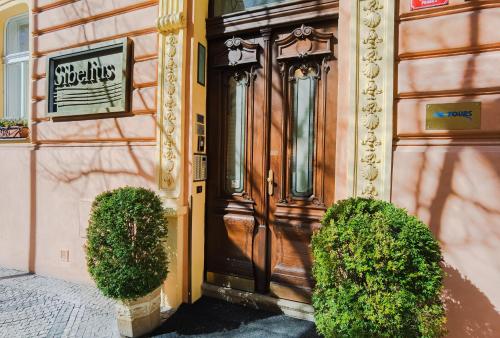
[
  {"x": 171, "y": 24},
  {"x": 171, "y": 121},
  {"x": 373, "y": 93}
]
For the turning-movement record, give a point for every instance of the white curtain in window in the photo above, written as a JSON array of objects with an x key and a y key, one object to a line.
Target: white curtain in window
[{"x": 16, "y": 62}]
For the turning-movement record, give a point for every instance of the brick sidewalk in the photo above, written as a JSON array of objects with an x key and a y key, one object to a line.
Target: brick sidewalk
[{"x": 35, "y": 306}]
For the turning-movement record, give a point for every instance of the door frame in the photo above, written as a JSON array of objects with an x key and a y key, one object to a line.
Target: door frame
[{"x": 289, "y": 14}]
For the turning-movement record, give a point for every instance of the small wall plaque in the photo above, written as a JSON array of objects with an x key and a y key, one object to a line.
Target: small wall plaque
[
  {"x": 202, "y": 55},
  {"x": 89, "y": 80},
  {"x": 453, "y": 116},
  {"x": 421, "y": 4}
]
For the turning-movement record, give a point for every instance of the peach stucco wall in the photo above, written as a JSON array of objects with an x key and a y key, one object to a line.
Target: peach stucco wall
[
  {"x": 15, "y": 167},
  {"x": 452, "y": 180},
  {"x": 52, "y": 181},
  {"x": 68, "y": 179}
]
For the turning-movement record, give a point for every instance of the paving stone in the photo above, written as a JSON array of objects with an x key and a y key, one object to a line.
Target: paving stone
[{"x": 36, "y": 306}]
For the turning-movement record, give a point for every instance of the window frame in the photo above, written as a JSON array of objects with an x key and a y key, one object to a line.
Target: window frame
[
  {"x": 16, "y": 58},
  {"x": 213, "y": 14}
]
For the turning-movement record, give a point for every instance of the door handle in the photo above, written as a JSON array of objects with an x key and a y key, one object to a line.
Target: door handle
[{"x": 270, "y": 183}]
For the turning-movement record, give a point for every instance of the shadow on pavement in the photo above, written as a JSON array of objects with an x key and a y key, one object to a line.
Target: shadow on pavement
[
  {"x": 16, "y": 275},
  {"x": 210, "y": 317}
]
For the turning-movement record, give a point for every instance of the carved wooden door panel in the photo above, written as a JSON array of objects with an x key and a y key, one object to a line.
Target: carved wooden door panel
[
  {"x": 271, "y": 145},
  {"x": 302, "y": 152},
  {"x": 236, "y": 132}
]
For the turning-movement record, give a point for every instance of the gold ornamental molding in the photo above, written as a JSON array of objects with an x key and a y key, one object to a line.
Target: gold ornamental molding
[
  {"x": 170, "y": 23},
  {"x": 373, "y": 32}
]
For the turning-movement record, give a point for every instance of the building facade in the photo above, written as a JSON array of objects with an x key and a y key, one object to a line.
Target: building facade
[{"x": 287, "y": 105}]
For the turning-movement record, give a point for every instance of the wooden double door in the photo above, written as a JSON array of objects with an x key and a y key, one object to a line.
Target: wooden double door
[{"x": 272, "y": 99}]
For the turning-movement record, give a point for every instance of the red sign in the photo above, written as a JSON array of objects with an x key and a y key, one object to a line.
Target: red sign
[{"x": 419, "y": 4}]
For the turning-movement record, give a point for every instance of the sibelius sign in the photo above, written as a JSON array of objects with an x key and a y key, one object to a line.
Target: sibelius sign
[
  {"x": 89, "y": 80},
  {"x": 66, "y": 75}
]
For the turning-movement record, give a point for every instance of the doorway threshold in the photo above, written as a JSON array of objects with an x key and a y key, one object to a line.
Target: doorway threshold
[{"x": 260, "y": 302}]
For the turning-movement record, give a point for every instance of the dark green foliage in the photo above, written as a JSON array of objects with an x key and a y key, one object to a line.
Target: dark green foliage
[
  {"x": 377, "y": 272},
  {"x": 125, "y": 247}
]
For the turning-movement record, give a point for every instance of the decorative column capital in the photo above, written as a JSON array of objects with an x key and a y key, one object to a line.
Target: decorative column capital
[{"x": 171, "y": 23}]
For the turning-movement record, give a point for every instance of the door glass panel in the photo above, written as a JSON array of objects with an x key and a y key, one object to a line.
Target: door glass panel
[
  {"x": 236, "y": 117},
  {"x": 304, "y": 94},
  {"x": 222, "y": 7}
]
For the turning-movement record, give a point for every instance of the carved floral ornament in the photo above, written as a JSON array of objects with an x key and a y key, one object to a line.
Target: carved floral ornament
[
  {"x": 170, "y": 105},
  {"x": 305, "y": 52},
  {"x": 237, "y": 52},
  {"x": 169, "y": 116},
  {"x": 371, "y": 95},
  {"x": 246, "y": 77},
  {"x": 305, "y": 69},
  {"x": 303, "y": 42}
]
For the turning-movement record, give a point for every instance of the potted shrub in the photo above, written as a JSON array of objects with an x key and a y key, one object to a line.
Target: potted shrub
[
  {"x": 13, "y": 129},
  {"x": 377, "y": 273},
  {"x": 126, "y": 255}
]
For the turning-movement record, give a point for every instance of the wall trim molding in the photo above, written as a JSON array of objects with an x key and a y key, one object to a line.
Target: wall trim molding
[
  {"x": 449, "y": 93},
  {"x": 492, "y": 47},
  {"x": 133, "y": 34},
  {"x": 92, "y": 18}
]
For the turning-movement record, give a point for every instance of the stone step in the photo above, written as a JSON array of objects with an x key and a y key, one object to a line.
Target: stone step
[{"x": 258, "y": 301}]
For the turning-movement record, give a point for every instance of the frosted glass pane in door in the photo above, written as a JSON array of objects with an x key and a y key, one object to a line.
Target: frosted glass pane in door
[
  {"x": 235, "y": 147},
  {"x": 304, "y": 93}
]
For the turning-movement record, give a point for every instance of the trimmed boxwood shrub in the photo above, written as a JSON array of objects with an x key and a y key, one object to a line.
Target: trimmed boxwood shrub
[
  {"x": 125, "y": 243},
  {"x": 377, "y": 273}
]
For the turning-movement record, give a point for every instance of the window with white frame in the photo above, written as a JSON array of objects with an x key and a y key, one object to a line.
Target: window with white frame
[{"x": 16, "y": 61}]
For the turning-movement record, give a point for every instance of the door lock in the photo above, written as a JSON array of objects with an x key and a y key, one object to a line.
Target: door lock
[{"x": 270, "y": 183}]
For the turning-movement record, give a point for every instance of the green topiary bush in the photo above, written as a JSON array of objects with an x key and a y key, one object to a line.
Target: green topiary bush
[
  {"x": 377, "y": 272},
  {"x": 125, "y": 243}
]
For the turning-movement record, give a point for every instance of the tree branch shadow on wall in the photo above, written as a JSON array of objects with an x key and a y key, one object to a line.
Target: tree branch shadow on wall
[{"x": 469, "y": 311}]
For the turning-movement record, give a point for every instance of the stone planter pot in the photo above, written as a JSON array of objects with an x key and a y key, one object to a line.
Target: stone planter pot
[
  {"x": 138, "y": 317},
  {"x": 14, "y": 132}
]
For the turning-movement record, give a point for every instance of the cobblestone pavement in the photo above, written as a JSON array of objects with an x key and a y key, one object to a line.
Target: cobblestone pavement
[{"x": 35, "y": 306}]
